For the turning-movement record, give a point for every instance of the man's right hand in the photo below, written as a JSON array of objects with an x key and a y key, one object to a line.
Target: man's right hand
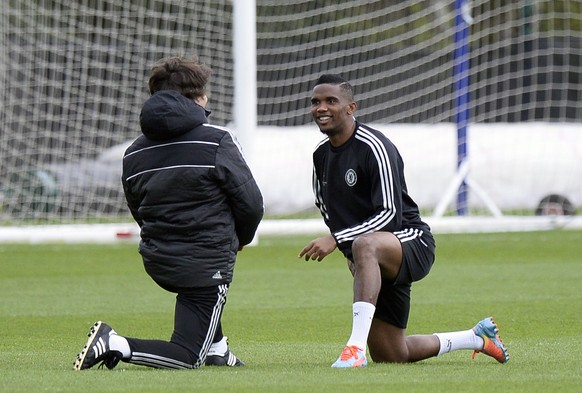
[{"x": 318, "y": 249}]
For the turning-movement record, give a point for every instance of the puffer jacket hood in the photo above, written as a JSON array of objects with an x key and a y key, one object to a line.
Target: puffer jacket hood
[{"x": 167, "y": 114}]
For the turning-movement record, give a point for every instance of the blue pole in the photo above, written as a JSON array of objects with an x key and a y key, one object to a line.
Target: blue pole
[{"x": 461, "y": 88}]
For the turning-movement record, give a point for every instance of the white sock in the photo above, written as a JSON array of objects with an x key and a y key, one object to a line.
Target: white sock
[
  {"x": 219, "y": 347},
  {"x": 453, "y": 341},
  {"x": 363, "y": 315},
  {"x": 119, "y": 343}
]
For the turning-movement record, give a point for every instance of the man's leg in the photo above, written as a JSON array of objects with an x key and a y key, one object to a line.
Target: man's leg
[
  {"x": 483, "y": 337},
  {"x": 197, "y": 316},
  {"x": 219, "y": 353},
  {"x": 379, "y": 256},
  {"x": 376, "y": 257},
  {"x": 196, "y": 320},
  {"x": 105, "y": 346},
  {"x": 388, "y": 343}
]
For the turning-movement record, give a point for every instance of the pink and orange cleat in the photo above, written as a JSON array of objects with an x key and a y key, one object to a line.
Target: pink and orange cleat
[{"x": 351, "y": 357}]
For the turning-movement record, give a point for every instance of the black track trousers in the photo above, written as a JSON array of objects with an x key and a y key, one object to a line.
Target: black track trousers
[{"x": 196, "y": 326}]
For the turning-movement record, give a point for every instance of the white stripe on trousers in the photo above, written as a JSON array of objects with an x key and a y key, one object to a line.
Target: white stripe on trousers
[
  {"x": 214, "y": 321},
  {"x": 156, "y": 361}
]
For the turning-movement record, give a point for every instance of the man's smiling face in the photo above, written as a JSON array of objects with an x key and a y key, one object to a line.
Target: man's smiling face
[{"x": 332, "y": 109}]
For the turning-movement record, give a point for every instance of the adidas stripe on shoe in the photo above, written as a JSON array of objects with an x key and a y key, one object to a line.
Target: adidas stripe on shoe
[
  {"x": 97, "y": 349},
  {"x": 226, "y": 359}
]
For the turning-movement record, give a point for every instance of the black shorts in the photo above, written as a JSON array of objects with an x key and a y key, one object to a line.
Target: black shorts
[{"x": 418, "y": 255}]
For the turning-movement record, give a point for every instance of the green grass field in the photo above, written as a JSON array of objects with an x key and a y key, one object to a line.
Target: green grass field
[{"x": 288, "y": 319}]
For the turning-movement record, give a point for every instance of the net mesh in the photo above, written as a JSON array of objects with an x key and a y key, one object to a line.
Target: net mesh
[{"x": 74, "y": 78}]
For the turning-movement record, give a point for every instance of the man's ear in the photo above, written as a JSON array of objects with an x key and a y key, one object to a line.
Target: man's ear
[{"x": 202, "y": 101}]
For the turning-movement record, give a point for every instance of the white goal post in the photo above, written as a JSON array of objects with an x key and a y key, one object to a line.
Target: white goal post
[{"x": 74, "y": 74}]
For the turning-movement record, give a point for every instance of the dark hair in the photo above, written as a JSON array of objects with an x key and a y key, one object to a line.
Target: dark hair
[
  {"x": 333, "y": 79},
  {"x": 185, "y": 75}
]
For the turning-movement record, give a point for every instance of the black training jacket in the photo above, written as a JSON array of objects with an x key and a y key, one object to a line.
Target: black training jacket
[
  {"x": 190, "y": 190},
  {"x": 360, "y": 187}
]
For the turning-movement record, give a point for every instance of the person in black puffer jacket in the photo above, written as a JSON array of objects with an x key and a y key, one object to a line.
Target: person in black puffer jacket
[{"x": 197, "y": 204}]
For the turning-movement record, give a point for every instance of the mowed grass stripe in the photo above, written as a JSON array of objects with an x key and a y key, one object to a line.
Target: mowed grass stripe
[{"x": 289, "y": 319}]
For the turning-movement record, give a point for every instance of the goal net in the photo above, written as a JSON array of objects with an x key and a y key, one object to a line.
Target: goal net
[{"x": 74, "y": 78}]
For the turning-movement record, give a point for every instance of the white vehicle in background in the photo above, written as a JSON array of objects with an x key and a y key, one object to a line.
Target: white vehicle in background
[{"x": 524, "y": 169}]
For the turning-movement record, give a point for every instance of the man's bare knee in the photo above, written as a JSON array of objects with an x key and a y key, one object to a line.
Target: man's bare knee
[
  {"x": 387, "y": 343},
  {"x": 362, "y": 245},
  {"x": 389, "y": 353}
]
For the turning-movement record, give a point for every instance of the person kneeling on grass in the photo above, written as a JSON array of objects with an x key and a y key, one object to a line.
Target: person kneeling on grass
[
  {"x": 359, "y": 187},
  {"x": 197, "y": 204}
]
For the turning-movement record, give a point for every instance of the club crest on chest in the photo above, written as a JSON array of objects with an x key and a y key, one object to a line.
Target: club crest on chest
[{"x": 351, "y": 177}]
